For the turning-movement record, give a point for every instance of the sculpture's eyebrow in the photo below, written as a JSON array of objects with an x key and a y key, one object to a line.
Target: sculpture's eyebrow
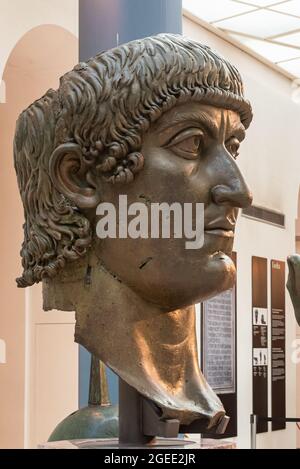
[
  {"x": 201, "y": 118},
  {"x": 187, "y": 118},
  {"x": 239, "y": 132}
]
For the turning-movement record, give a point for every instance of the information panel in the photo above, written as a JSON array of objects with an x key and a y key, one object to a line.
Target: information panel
[
  {"x": 278, "y": 342},
  {"x": 219, "y": 342},
  {"x": 218, "y": 346},
  {"x": 260, "y": 357}
]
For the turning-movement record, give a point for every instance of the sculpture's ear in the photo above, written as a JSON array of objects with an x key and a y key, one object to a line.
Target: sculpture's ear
[{"x": 72, "y": 175}]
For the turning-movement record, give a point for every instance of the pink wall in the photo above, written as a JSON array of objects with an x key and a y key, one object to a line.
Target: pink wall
[{"x": 36, "y": 63}]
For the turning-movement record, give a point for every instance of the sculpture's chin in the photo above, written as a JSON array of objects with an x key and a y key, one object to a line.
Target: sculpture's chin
[
  {"x": 217, "y": 276},
  {"x": 200, "y": 281},
  {"x": 221, "y": 275}
]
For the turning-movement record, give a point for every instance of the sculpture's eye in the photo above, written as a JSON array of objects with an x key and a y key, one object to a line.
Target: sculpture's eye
[
  {"x": 233, "y": 146},
  {"x": 187, "y": 144}
]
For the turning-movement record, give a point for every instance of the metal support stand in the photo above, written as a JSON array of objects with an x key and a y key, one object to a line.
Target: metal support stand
[
  {"x": 130, "y": 416},
  {"x": 253, "y": 429},
  {"x": 140, "y": 420}
]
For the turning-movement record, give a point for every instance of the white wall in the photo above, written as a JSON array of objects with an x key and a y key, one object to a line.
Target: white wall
[
  {"x": 269, "y": 159},
  {"x": 38, "y": 357},
  {"x": 17, "y": 17},
  {"x": 51, "y": 369}
]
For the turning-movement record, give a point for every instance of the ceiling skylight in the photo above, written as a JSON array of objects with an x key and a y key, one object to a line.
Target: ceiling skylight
[{"x": 269, "y": 28}]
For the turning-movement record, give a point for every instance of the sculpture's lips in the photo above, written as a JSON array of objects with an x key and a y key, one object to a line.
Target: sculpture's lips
[{"x": 223, "y": 228}]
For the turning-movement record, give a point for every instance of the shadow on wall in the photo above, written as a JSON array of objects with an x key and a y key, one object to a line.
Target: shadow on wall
[{"x": 35, "y": 65}]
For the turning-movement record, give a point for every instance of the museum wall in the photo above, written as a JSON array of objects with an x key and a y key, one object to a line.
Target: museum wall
[
  {"x": 39, "y": 374},
  {"x": 269, "y": 159}
]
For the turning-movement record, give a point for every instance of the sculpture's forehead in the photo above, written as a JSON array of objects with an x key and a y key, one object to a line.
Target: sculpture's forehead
[{"x": 199, "y": 113}]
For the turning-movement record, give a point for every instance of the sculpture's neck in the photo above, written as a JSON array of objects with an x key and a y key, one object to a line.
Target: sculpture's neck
[
  {"x": 164, "y": 344},
  {"x": 152, "y": 350},
  {"x": 132, "y": 334}
]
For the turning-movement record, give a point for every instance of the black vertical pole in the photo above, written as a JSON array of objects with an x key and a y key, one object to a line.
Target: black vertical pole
[
  {"x": 130, "y": 417},
  {"x": 104, "y": 24}
]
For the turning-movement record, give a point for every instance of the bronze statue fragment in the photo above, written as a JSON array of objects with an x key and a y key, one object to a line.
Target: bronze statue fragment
[
  {"x": 158, "y": 120},
  {"x": 293, "y": 283}
]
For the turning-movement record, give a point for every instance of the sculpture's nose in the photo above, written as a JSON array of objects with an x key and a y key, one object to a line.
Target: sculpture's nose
[
  {"x": 232, "y": 195},
  {"x": 232, "y": 189}
]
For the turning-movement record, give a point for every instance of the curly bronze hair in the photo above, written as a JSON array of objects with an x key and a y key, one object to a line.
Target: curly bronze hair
[{"x": 105, "y": 105}]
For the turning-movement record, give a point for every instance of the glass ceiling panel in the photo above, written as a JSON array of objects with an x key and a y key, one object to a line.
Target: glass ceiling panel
[
  {"x": 273, "y": 52},
  {"x": 260, "y": 3},
  {"x": 264, "y": 26},
  {"x": 292, "y": 7},
  {"x": 292, "y": 39},
  {"x": 260, "y": 23},
  {"x": 213, "y": 10},
  {"x": 293, "y": 66}
]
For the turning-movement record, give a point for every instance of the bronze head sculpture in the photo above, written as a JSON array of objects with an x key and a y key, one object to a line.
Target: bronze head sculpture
[
  {"x": 293, "y": 283},
  {"x": 159, "y": 120}
]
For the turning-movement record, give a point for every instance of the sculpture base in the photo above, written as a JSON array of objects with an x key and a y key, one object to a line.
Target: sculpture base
[
  {"x": 94, "y": 421},
  {"x": 160, "y": 443}
]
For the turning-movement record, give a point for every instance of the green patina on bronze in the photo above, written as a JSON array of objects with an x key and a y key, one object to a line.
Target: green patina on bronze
[{"x": 99, "y": 419}]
